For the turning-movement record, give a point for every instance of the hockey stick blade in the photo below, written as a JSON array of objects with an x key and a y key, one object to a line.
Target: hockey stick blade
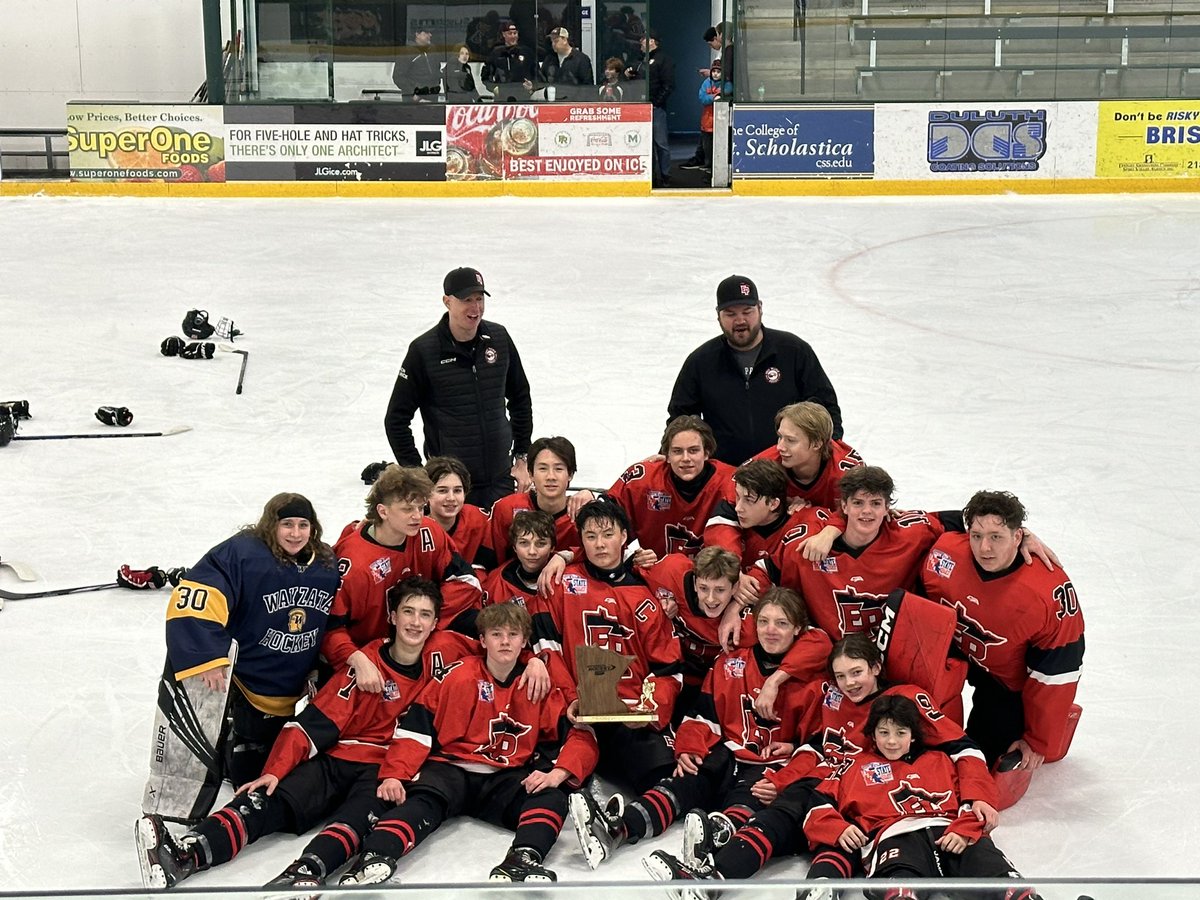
[
  {"x": 61, "y": 592},
  {"x": 178, "y": 429},
  {"x": 23, "y": 571}
]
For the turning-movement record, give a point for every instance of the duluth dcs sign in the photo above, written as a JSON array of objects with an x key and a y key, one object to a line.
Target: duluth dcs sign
[{"x": 993, "y": 140}]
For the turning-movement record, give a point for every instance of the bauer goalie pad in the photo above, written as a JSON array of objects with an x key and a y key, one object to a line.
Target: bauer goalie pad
[
  {"x": 915, "y": 637},
  {"x": 186, "y": 758}
]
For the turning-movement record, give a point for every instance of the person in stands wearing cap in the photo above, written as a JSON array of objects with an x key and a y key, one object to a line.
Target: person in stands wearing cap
[
  {"x": 465, "y": 377},
  {"x": 512, "y": 62},
  {"x": 659, "y": 71},
  {"x": 419, "y": 75},
  {"x": 234, "y": 593},
  {"x": 714, "y": 86},
  {"x": 738, "y": 382},
  {"x": 567, "y": 64}
]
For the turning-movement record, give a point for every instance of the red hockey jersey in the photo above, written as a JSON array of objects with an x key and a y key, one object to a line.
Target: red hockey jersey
[
  {"x": 359, "y": 613},
  {"x": 472, "y": 535},
  {"x": 846, "y": 591},
  {"x": 836, "y": 735},
  {"x": 822, "y": 490},
  {"x": 753, "y": 544},
  {"x": 667, "y": 515},
  {"x": 356, "y": 725},
  {"x": 724, "y": 710},
  {"x": 504, "y": 585},
  {"x": 1023, "y": 625},
  {"x": 889, "y": 797},
  {"x": 472, "y": 719},
  {"x": 507, "y": 508},
  {"x": 617, "y": 611}
]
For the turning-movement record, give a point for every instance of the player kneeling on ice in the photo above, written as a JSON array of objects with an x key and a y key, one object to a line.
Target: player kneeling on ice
[
  {"x": 243, "y": 630},
  {"x": 325, "y": 763},
  {"x": 481, "y": 749},
  {"x": 899, "y": 806}
]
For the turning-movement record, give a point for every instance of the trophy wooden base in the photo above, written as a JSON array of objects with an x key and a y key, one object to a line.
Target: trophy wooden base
[{"x": 631, "y": 716}]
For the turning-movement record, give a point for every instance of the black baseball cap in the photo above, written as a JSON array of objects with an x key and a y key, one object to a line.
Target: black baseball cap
[
  {"x": 463, "y": 282},
  {"x": 736, "y": 290}
]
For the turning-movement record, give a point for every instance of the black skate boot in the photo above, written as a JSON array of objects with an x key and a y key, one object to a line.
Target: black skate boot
[
  {"x": 307, "y": 871},
  {"x": 164, "y": 863},
  {"x": 371, "y": 868},
  {"x": 662, "y": 866},
  {"x": 521, "y": 864}
]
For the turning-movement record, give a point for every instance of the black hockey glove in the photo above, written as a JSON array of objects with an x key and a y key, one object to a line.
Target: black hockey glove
[
  {"x": 372, "y": 472},
  {"x": 176, "y": 575},
  {"x": 8, "y": 426},
  {"x": 198, "y": 350},
  {"x": 141, "y": 579},
  {"x": 195, "y": 324},
  {"x": 171, "y": 346},
  {"x": 114, "y": 415}
]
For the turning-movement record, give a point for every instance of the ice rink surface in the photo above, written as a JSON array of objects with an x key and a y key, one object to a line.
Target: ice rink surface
[{"x": 1047, "y": 346}]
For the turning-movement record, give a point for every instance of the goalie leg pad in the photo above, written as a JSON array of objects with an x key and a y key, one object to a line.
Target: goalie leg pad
[{"x": 189, "y": 733}]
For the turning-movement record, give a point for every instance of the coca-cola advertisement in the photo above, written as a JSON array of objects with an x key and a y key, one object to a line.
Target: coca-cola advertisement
[{"x": 548, "y": 142}]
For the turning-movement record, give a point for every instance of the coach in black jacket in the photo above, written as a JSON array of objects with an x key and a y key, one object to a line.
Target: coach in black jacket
[
  {"x": 461, "y": 375},
  {"x": 738, "y": 381}
]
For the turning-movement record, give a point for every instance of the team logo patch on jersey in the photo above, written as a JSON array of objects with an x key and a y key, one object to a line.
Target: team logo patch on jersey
[
  {"x": 664, "y": 595},
  {"x": 657, "y": 501},
  {"x": 828, "y": 564},
  {"x": 381, "y": 569},
  {"x": 735, "y": 667},
  {"x": 877, "y": 773},
  {"x": 296, "y": 620},
  {"x": 486, "y": 691},
  {"x": 490, "y": 355},
  {"x": 391, "y": 691},
  {"x": 833, "y": 699},
  {"x": 575, "y": 584},
  {"x": 772, "y": 375},
  {"x": 941, "y": 564}
]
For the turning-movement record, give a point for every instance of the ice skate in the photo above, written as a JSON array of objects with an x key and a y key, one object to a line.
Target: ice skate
[{"x": 600, "y": 831}]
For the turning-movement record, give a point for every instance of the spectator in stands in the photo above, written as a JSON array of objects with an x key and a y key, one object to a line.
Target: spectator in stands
[
  {"x": 611, "y": 90},
  {"x": 659, "y": 71},
  {"x": 512, "y": 61},
  {"x": 699, "y": 159},
  {"x": 567, "y": 65},
  {"x": 418, "y": 74}
]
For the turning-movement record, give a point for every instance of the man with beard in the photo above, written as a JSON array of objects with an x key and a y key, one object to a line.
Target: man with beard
[{"x": 738, "y": 382}]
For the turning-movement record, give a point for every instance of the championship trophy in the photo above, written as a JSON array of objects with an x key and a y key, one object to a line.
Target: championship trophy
[{"x": 599, "y": 671}]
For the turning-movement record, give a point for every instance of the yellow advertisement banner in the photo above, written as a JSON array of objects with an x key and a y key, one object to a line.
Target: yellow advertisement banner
[
  {"x": 143, "y": 142},
  {"x": 1148, "y": 139}
]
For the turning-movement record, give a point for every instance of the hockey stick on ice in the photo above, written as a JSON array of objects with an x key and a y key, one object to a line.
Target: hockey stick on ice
[
  {"x": 245, "y": 354},
  {"x": 178, "y": 429},
  {"x": 22, "y": 570},
  {"x": 87, "y": 588}
]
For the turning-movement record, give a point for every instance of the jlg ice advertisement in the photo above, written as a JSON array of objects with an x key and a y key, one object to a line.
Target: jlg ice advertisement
[{"x": 109, "y": 142}]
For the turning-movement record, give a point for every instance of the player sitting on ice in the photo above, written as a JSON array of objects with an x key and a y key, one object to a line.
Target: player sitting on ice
[
  {"x": 531, "y": 536},
  {"x": 835, "y": 732},
  {"x": 481, "y": 749},
  {"x": 722, "y": 748},
  {"x": 602, "y": 601},
  {"x": 325, "y": 763},
  {"x": 899, "y": 805}
]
